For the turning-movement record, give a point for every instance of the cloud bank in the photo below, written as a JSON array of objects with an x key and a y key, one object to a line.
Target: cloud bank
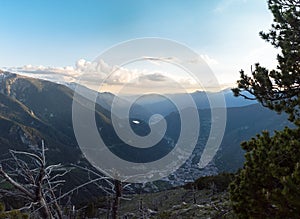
[{"x": 95, "y": 74}]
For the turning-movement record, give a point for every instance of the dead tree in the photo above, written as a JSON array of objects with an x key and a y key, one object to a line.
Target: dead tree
[
  {"x": 112, "y": 187},
  {"x": 116, "y": 202},
  {"x": 37, "y": 183},
  {"x": 34, "y": 182}
]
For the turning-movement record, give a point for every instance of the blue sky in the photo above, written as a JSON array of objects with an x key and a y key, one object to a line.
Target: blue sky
[{"x": 57, "y": 33}]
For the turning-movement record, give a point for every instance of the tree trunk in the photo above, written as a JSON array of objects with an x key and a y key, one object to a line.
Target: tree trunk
[{"x": 116, "y": 202}]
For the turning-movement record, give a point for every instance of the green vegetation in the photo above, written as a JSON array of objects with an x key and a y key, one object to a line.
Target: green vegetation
[
  {"x": 13, "y": 214},
  {"x": 218, "y": 183},
  {"x": 279, "y": 89},
  {"x": 268, "y": 185},
  {"x": 207, "y": 197},
  {"x": 181, "y": 202}
]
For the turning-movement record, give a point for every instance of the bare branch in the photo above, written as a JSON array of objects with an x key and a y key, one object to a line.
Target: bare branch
[
  {"x": 16, "y": 184},
  {"x": 36, "y": 157}
]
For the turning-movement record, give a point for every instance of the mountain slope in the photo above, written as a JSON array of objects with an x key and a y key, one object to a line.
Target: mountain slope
[
  {"x": 38, "y": 110},
  {"x": 33, "y": 109},
  {"x": 244, "y": 123}
]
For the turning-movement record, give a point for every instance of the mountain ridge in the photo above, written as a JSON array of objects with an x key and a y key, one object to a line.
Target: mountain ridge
[{"x": 33, "y": 109}]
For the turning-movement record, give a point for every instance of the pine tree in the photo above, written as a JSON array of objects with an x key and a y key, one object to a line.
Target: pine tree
[
  {"x": 278, "y": 89},
  {"x": 268, "y": 186}
]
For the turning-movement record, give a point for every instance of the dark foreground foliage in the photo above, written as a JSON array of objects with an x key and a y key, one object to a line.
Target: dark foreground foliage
[
  {"x": 218, "y": 183},
  {"x": 268, "y": 186}
]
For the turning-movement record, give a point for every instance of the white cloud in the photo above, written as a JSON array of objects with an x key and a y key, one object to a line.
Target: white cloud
[
  {"x": 92, "y": 74},
  {"x": 158, "y": 77},
  {"x": 201, "y": 58},
  {"x": 159, "y": 60},
  {"x": 95, "y": 73},
  {"x": 210, "y": 61}
]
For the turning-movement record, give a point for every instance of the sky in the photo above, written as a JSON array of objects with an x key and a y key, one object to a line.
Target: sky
[{"x": 59, "y": 40}]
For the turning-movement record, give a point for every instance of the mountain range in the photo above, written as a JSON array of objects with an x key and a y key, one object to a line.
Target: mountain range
[{"x": 33, "y": 109}]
